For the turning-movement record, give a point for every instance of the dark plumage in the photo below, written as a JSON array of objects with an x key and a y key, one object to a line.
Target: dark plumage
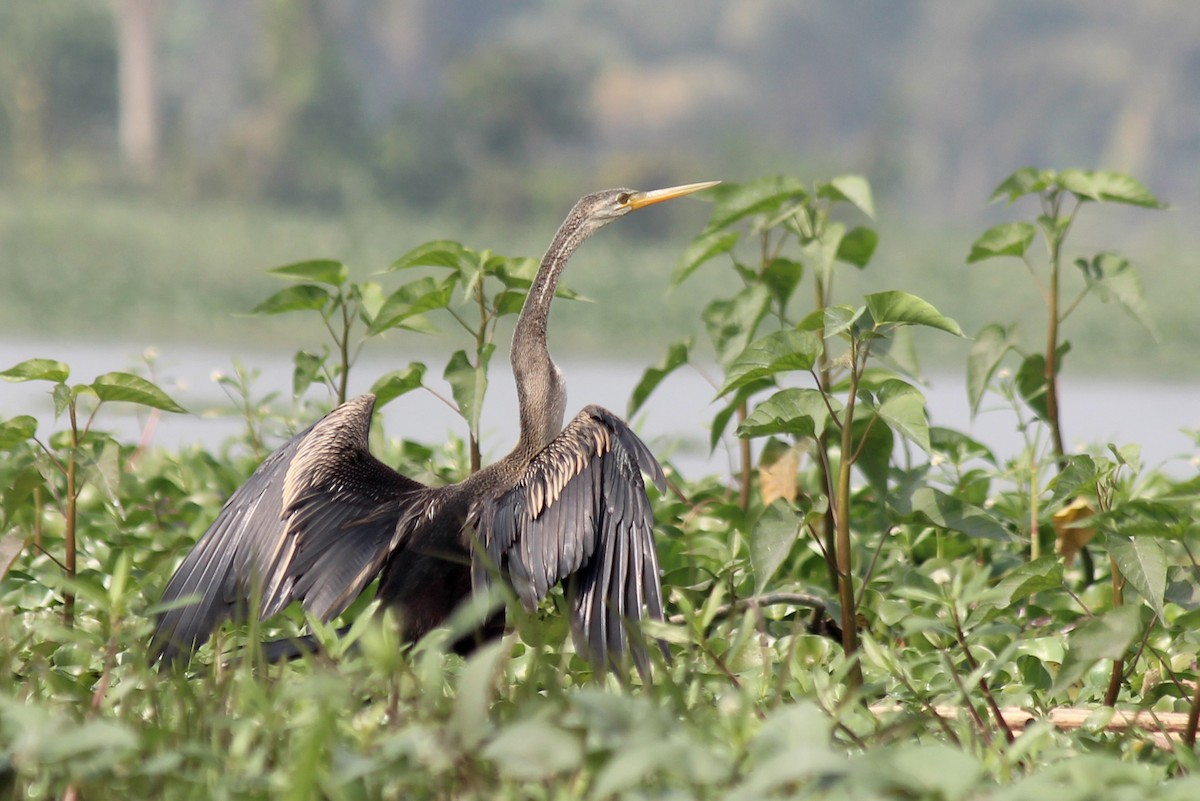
[{"x": 322, "y": 517}]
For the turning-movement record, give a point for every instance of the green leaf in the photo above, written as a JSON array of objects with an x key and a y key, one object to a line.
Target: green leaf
[
  {"x": 779, "y": 352},
  {"x": 1113, "y": 187},
  {"x": 819, "y": 254},
  {"x": 774, "y": 534},
  {"x": 1143, "y": 563},
  {"x": 735, "y": 201},
  {"x": 413, "y": 300},
  {"x": 37, "y": 370},
  {"x": 677, "y": 356},
  {"x": 439, "y": 253},
  {"x": 1183, "y": 586},
  {"x": 902, "y": 407},
  {"x": 782, "y": 276},
  {"x": 1005, "y": 239},
  {"x": 1024, "y": 181},
  {"x": 706, "y": 246},
  {"x": 16, "y": 430},
  {"x": 1041, "y": 575},
  {"x": 721, "y": 419},
  {"x": 470, "y": 720},
  {"x": 1031, "y": 380},
  {"x": 12, "y": 544},
  {"x": 992, "y": 344},
  {"x": 468, "y": 385},
  {"x": 936, "y": 508},
  {"x": 857, "y": 246},
  {"x": 323, "y": 271},
  {"x": 1107, "y": 636},
  {"x": 796, "y": 412},
  {"x": 1079, "y": 476},
  {"x": 731, "y": 323},
  {"x": 837, "y": 319},
  {"x": 533, "y": 750},
  {"x": 1113, "y": 279},
  {"x": 852, "y": 189},
  {"x": 901, "y": 308},
  {"x": 133, "y": 389},
  {"x": 307, "y": 366},
  {"x": 396, "y": 383},
  {"x": 874, "y": 452},
  {"x": 301, "y": 297}
]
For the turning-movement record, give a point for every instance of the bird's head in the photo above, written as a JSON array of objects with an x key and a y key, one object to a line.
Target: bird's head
[{"x": 600, "y": 208}]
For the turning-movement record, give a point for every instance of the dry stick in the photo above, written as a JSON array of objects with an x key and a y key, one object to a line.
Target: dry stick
[{"x": 1169, "y": 724}]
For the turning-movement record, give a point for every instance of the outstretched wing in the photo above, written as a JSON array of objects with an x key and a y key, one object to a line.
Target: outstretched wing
[
  {"x": 314, "y": 523},
  {"x": 580, "y": 511}
]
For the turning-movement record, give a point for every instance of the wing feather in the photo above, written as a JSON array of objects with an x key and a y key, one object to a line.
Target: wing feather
[
  {"x": 579, "y": 513},
  {"x": 314, "y": 523}
]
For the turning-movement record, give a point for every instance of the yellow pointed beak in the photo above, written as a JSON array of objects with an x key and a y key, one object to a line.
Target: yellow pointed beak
[{"x": 641, "y": 199}]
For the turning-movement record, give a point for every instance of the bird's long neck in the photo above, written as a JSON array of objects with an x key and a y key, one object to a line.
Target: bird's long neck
[{"x": 541, "y": 391}]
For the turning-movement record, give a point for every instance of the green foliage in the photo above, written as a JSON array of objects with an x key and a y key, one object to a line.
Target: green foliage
[{"x": 860, "y": 510}]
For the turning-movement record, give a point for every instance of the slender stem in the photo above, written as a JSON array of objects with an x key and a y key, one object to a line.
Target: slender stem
[
  {"x": 744, "y": 456},
  {"x": 1118, "y": 668},
  {"x": 72, "y": 498},
  {"x": 842, "y": 519},
  {"x": 343, "y": 343}
]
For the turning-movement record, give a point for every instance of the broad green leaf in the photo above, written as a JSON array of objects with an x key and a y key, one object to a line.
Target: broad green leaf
[
  {"x": 468, "y": 385},
  {"x": 677, "y": 356},
  {"x": 902, "y": 407},
  {"x": 307, "y": 366},
  {"x": 853, "y": 189},
  {"x": 370, "y": 299},
  {"x": 37, "y": 370},
  {"x": 1112, "y": 187},
  {"x": 438, "y": 253},
  {"x": 706, "y": 246},
  {"x": 1183, "y": 586},
  {"x": 16, "y": 430},
  {"x": 1005, "y": 239},
  {"x": 1147, "y": 517},
  {"x": 992, "y": 344},
  {"x": 721, "y": 419},
  {"x": 396, "y": 383},
  {"x": 796, "y": 412},
  {"x": 936, "y": 508},
  {"x": 857, "y": 246},
  {"x": 775, "y": 532},
  {"x": 1024, "y": 181},
  {"x": 301, "y": 297},
  {"x": 1143, "y": 563},
  {"x": 1041, "y": 575},
  {"x": 323, "y": 271},
  {"x": 1113, "y": 279},
  {"x": 818, "y": 255},
  {"x": 731, "y": 323},
  {"x": 782, "y": 276},
  {"x": 133, "y": 389},
  {"x": 839, "y": 319},
  {"x": 778, "y": 352},
  {"x": 470, "y": 720},
  {"x": 1078, "y": 477},
  {"x": 735, "y": 201},
  {"x": 1107, "y": 636},
  {"x": 1031, "y": 379},
  {"x": 902, "y": 308},
  {"x": 534, "y": 749},
  {"x": 413, "y": 300},
  {"x": 959, "y": 447},
  {"x": 875, "y": 453}
]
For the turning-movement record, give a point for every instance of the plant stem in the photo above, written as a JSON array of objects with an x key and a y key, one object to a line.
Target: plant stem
[
  {"x": 746, "y": 477},
  {"x": 1118, "y": 668},
  {"x": 845, "y": 577},
  {"x": 72, "y": 498},
  {"x": 343, "y": 343}
]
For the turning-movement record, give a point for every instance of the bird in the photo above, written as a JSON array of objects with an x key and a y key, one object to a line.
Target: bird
[{"x": 322, "y": 517}]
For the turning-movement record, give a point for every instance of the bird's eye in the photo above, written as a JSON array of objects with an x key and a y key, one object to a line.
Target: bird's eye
[{"x": 623, "y": 198}]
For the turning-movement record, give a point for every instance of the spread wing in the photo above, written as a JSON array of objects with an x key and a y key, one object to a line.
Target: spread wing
[
  {"x": 580, "y": 511},
  {"x": 314, "y": 523}
]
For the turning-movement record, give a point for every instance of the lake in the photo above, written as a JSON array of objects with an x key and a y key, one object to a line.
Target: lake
[{"x": 1095, "y": 411}]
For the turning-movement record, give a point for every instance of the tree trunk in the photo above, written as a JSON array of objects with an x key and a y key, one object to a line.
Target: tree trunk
[{"x": 138, "y": 126}]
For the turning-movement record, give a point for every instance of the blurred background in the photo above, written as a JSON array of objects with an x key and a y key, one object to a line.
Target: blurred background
[{"x": 158, "y": 156}]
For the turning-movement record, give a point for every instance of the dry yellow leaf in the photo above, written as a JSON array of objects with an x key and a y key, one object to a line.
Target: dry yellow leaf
[
  {"x": 778, "y": 478},
  {"x": 1071, "y": 538}
]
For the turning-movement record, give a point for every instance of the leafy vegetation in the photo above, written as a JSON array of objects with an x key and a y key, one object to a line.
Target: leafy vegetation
[{"x": 869, "y": 607}]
